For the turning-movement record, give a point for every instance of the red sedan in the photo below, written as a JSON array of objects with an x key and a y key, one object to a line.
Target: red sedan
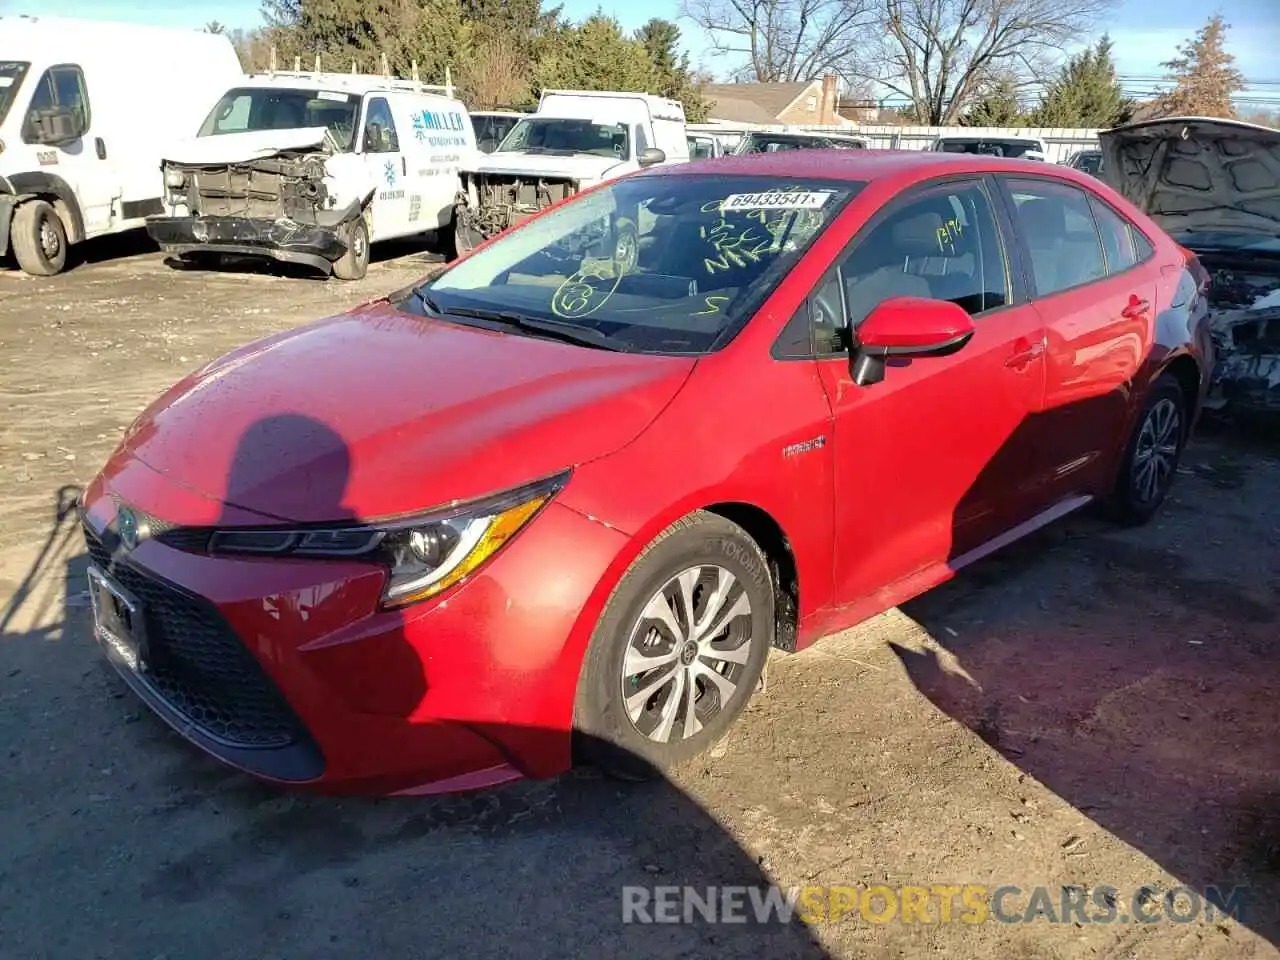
[{"x": 562, "y": 499}]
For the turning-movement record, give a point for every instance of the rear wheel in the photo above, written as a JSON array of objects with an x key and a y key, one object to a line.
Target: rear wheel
[
  {"x": 678, "y": 651},
  {"x": 354, "y": 264},
  {"x": 1151, "y": 458},
  {"x": 39, "y": 239}
]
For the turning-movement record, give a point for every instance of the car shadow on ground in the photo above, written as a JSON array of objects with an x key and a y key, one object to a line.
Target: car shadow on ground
[
  {"x": 129, "y": 840},
  {"x": 1166, "y": 737}
]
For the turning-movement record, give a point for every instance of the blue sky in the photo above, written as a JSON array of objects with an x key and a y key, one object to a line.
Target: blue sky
[{"x": 1140, "y": 46}]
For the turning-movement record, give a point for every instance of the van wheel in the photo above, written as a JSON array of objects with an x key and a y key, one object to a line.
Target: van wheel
[
  {"x": 354, "y": 264},
  {"x": 39, "y": 239},
  {"x": 1151, "y": 457},
  {"x": 678, "y": 650}
]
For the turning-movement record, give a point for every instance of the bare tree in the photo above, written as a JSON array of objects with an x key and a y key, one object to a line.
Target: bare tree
[
  {"x": 785, "y": 40},
  {"x": 493, "y": 76},
  {"x": 942, "y": 55}
]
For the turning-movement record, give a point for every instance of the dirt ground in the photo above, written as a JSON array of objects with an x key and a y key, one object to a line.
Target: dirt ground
[{"x": 1094, "y": 707}]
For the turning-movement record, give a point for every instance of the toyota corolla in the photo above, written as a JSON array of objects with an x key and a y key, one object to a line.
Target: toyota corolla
[{"x": 559, "y": 502}]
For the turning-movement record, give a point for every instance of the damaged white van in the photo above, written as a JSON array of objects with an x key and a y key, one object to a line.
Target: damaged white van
[
  {"x": 576, "y": 139},
  {"x": 311, "y": 168},
  {"x": 86, "y": 108}
]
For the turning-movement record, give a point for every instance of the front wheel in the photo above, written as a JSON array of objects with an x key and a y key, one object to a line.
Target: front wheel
[
  {"x": 678, "y": 651},
  {"x": 1152, "y": 455},
  {"x": 354, "y": 264},
  {"x": 39, "y": 239}
]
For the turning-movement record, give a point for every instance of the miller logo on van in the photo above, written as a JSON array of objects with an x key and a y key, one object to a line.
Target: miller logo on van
[{"x": 426, "y": 122}]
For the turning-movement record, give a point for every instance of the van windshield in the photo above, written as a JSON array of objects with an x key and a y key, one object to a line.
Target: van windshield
[
  {"x": 255, "y": 109},
  {"x": 567, "y": 135},
  {"x": 646, "y": 264},
  {"x": 11, "y": 74}
]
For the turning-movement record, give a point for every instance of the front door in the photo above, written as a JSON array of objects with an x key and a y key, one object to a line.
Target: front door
[
  {"x": 931, "y": 462},
  {"x": 82, "y": 163},
  {"x": 389, "y": 170}
]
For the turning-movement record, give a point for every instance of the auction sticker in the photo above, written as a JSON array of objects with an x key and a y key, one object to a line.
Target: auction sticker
[{"x": 776, "y": 200}]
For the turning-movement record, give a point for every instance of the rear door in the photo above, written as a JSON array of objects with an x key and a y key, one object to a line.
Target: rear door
[
  {"x": 1097, "y": 301},
  {"x": 931, "y": 463}
]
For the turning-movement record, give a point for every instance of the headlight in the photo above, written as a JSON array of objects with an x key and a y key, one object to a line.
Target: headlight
[
  {"x": 424, "y": 555},
  {"x": 175, "y": 179}
]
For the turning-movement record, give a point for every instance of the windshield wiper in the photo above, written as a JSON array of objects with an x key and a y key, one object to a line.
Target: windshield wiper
[{"x": 555, "y": 329}]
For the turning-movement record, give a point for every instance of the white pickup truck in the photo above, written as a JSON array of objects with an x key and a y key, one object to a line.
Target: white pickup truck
[{"x": 575, "y": 139}]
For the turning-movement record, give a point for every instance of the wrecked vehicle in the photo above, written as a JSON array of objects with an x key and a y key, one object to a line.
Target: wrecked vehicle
[
  {"x": 312, "y": 168},
  {"x": 1214, "y": 186},
  {"x": 575, "y": 140}
]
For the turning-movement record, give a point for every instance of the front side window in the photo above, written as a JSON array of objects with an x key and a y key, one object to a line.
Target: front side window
[
  {"x": 1061, "y": 236},
  {"x": 380, "y": 129},
  {"x": 658, "y": 264},
  {"x": 11, "y": 74},
  {"x": 256, "y": 109},
  {"x": 567, "y": 136},
  {"x": 59, "y": 88}
]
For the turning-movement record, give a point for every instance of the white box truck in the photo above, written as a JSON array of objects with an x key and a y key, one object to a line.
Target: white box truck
[
  {"x": 575, "y": 139},
  {"x": 86, "y": 110}
]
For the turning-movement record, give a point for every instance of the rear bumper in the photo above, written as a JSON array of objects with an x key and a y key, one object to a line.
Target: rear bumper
[{"x": 284, "y": 240}]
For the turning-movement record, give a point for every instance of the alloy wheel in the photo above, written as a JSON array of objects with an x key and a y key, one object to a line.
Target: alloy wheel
[
  {"x": 687, "y": 653},
  {"x": 1156, "y": 456}
]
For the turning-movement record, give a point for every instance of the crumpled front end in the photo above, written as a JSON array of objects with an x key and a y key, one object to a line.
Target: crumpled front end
[
  {"x": 288, "y": 207},
  {"x": 1245, "y": 311},
  {"x": 489, "y": 203}
]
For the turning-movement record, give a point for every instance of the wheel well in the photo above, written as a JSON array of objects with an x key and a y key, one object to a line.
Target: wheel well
[
  {"x": 1187, "y": 372},
  {"x": 764, "y": 530}
]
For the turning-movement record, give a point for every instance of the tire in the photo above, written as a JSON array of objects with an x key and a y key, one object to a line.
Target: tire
[
  {"x": 354, "y": 264},
  {"x": 627, "y": 742},
  {"x": 39, "y": 239},
  {"x": 1159, "y": 437}
]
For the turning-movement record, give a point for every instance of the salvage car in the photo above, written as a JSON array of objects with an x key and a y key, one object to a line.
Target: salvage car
[
  {"x": 764, "y": 141},
  {"x": 311, "y": 168},
  {"x": 1214, "y": 185},
  {"x": 581, "y": 499},
  {"x": 1025, "y": 148}
]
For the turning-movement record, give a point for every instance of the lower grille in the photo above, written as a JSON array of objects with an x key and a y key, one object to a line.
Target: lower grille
[{"x": 198, "y": 666}]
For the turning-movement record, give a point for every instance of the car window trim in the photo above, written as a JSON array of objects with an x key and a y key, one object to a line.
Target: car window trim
[
  {"x": 909, "y": 195},
  {"x": 1004, "y": 179}
]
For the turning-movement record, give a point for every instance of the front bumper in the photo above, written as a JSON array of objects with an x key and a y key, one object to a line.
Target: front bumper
[
  {"x": 285, "y": 240},
  {"x": 287, "y": 670}
]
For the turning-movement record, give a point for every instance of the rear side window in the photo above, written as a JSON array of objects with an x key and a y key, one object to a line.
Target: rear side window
[
  {"x": 1059, "y": 229},
  {"x": 1117, "y": 238}
]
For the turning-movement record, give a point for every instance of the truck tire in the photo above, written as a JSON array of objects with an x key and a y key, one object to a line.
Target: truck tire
[
  {"x": 354, "y": 264},
  {"x": 39, "y": 239}
]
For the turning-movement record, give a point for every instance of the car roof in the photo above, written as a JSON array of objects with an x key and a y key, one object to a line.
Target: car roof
[{"x": 859, "y": 165}]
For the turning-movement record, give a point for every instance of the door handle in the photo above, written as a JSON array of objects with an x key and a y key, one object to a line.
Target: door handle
[
  {"x": 1025, "y": 353},
  {"x": 404, "y": 165},
  {"x": 1137, "y": 307},
  {"x": 100, "y": 147}
]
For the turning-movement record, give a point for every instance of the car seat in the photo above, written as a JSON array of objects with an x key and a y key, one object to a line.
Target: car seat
[{"x": 878, "y": 270}]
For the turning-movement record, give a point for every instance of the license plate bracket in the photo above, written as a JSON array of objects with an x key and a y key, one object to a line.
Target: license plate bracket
[{"x": 117, "y": 621}]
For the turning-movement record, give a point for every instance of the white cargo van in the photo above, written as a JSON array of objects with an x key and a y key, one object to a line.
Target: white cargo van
[
  {"x": 576, "y": 139},
  {"x": 311, "y": 168},
  {"x": 85, "y": 110}
]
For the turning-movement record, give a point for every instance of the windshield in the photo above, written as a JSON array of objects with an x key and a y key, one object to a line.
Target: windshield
[
  {"x": 253, "y": 109},
  {"x": 11, "y": 74},
  {"x": 701, "y": 148},
  {"x": 490, "y": 129},
  {"x": 657, "y": 264},
  {"x": 1089, "y": 163},
  {"x": 567, "y": 135},
  {"x": 991, "y": 148}
]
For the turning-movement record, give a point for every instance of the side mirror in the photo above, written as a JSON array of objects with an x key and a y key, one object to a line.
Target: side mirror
[
  {"x": 651, "y": 156},
  {"x": 57, "y": 125},
  {"x": 907, "y": 327}
]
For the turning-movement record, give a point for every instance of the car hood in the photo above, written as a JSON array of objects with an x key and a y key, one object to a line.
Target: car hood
[
  {"x": 378, "y": 413},
  {"x": 253, "y": 145},
  {"x": 579, "y": 166},
  {"x": 1197, "y": 174}
]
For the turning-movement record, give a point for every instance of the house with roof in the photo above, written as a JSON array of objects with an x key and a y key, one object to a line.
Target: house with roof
[{"x": 814, "y": 103}]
